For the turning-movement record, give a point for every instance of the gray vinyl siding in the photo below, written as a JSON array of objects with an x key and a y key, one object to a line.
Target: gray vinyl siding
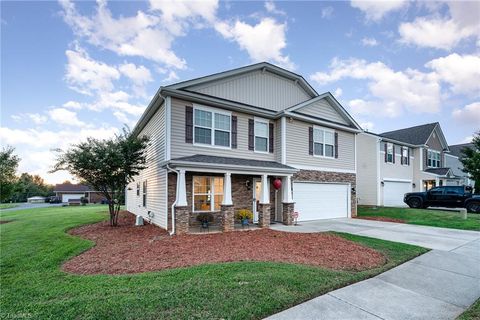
[
  {"x": 278, "y": 141},
  {"x": 297, "y": 148},
  {"x": 257, "y": 88},
  {"x": 434, "y": 142},
  {"x": 367, "y": 164},
  {"x": 453, "y": 163},
  {"x": 395, "y": 170},
  {"x": 155, "y": 176},
  {"x": 179, "y": 148},
  {"x": 322, "y": 109}
]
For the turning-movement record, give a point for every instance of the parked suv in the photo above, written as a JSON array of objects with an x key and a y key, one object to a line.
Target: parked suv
[{"x": 447, "y": 196}]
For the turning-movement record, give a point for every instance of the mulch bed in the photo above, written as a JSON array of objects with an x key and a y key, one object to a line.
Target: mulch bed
[
  {"x": 130, "y": 249},
  {"x": 385, "y": 219}
]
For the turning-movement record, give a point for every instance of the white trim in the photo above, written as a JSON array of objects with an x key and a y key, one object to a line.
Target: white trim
[
  {"x": 422, "y": 163},
  {"x": 397, "y": 180},
  {"x": 229, "y": 169},
  {"x": 213, "y": 193},
  {"x": 283, "y": 135},
  {"x": 450, "y": 155},
  {"x": 379, "y": 187},
  {"x": 355, "y": 149},
  {"x": 393, "y": 153},
  {"x": 212, "y": 111},
  {"x": 166, "y": 200},
  {"x": 227, "y": 189},
  {"x": 264, "y": 121},
  {"x": 287, "y": 189},
  {"x": 265, "y": 192},
  {"x": 320, "y": 122},
  {"x": 321, "y": 168},
  {"x": 168, "y": 127},
  {"x": 181, "y": 189},
  {"x": 325, "y": 130}
]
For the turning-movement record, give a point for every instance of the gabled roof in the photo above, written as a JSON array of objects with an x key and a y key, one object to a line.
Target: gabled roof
[
  {"x": 233, "y": 72},
  {"x": 456, "y": 149},
  {"x": 70, "y": 187},
  {"x": 439, "y": 171},
  {"x": 417, "y": 135}
]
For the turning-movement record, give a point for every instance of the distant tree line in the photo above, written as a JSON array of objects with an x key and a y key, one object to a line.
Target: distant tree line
[{"x": 15, "y": 188}]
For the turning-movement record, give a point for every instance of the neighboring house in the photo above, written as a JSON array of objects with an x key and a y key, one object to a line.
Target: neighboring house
[
  {"x": 218, "y": 143},
  {"x": 36, "y": 199},
  {"x": 393, "y": 163},
  {"x": 452, "y": 161},
  {"x": 69, "y": 191}
]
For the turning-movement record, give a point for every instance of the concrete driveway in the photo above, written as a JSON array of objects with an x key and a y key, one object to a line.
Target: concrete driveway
[{"x": 440, "y": 284}]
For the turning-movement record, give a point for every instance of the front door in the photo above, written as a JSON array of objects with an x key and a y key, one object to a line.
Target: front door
[{"x": 257, "y": 189}]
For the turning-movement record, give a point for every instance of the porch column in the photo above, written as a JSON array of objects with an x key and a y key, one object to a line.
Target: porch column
[
  {"x": 181, "y": 189},
  {"x": 264, "y": 206},
  {"x": 228, "y": 214},
  {"x": 182, "y": 212},
  {"x": 287, "y": 201}
]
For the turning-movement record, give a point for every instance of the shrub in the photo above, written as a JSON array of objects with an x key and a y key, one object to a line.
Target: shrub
[
  {"x": 205, "y": 217},
  {"x": 244, "y": 214}
]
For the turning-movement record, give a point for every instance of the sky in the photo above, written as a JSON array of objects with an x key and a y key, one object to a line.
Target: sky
[{"x": 70, "y": 70}]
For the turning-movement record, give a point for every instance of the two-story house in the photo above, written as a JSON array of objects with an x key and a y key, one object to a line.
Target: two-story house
[
  {"x": 452, "y": 160},
  {"x": 393, "y": 163},
  {"x": 218, "y": 144}
]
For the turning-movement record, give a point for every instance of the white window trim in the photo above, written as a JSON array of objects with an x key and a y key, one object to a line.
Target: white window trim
[
  {"x": 324, "y": 130},
  {"x": 267, "y": 122},
  {"x": 212, "y": 128},
  {"x": 406, "y": 157},
  {"x": 393, "y": 152},
  {"x": 213, "y": 193},
  {"x": 431, "y": 152}
]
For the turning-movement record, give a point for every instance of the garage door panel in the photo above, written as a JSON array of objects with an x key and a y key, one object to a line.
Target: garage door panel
[
  {"x": 320, "y": 200},
  {"x": 76, "y": 196},
  {"x": 393, "y": 192}
]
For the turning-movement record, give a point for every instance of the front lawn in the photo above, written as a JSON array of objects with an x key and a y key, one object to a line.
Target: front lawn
[
  {"x": 472, "y": 313},
  {"x": 434, "y": 218},
  {"x": 8, "y": 205},
  {"x": 35, "y": 244}
]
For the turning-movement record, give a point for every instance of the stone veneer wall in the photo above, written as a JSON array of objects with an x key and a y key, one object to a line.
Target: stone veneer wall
[{"x": 324, "y": 176}]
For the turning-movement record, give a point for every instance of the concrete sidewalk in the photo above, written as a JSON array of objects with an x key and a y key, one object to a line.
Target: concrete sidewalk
[{"x": 440, "y": 284}]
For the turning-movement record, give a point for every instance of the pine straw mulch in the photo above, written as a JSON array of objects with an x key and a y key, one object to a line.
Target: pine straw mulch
[
  {"x": 129, "y": 249},
  {"x": 384, "y": 219}
]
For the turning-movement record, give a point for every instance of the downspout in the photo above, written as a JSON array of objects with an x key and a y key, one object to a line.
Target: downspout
[{"x": 174, "y": 203}]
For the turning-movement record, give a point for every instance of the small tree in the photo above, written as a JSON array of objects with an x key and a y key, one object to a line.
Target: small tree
[
  {"x": 8, "y": 168},
  {"x": 470, "y": 159},
  {"x": 106, "y": 165}
]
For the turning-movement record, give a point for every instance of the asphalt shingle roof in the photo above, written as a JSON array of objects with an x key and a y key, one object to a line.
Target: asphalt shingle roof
[
  {"x": 456, "y": 150},
  {"x": 233, "y": 161},
  {"x": 439, "y": 171},
  {"x": 414, "y": 135},
  {"x": 70, "y": 187}
]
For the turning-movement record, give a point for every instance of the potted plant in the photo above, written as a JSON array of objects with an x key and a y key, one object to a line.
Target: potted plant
[
  {"x": 244, "y": 215},
  {"x": 205, "y": 218}
]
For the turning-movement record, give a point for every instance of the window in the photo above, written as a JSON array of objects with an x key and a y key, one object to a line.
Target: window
[
  {"x": 454, "y": 191},
  {"x": 207, "y": 193},
  {"x": 323, "y": 142},
  {"x": 138, "y": 188},
  {"x": 390, "y": 154},
  {"x": 405, "y": 156},
  {"x": 212, "y": 128},
  {"x": 433, "y": 159},
  {"x": 261, "y": 135},
  {"x": 144, "y": 199},
  {"x": 436, "y": 191}
]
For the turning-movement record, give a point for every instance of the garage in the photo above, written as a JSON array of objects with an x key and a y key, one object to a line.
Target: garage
[
  {"x": 75, "y": 196},
  {"x": 393, "y": 192},
  {"x": 314, "y": 201}
]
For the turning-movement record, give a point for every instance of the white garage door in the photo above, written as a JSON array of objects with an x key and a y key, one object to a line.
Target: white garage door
[
  {"x": 316, "y": 201},
  {"x": 393, "y": 192},
  {"x": 76, "y": 196}
]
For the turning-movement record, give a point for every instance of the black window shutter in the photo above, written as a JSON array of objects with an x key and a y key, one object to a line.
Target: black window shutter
[
  {"x": 270, "y": 137},
  {"x": 234, "y": 132},
  {"x": 310, "y": 140},
  {"x": 393, "y": 148},
  {"x": 188, "y": 124},
  {"x": 251, "y": 134},
  {"x": 386, "y": 151},
  {"x": 426, "y": 158},
  {"x": 408, "y": 156},
  {"x": 336, "y": 145},
  {"x": 401, "y": 155}
]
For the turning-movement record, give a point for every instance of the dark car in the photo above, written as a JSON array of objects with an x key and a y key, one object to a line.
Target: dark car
[
  {"x": 54, "y": 199},
  {"x": 446, "y": 196}
]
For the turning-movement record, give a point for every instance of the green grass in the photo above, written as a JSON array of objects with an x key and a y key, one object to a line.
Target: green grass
[
  {"x": 473, "y": 313},
  {"x": 34, "y": 245},
  {"x": 8, "y": 205},
  {"x": 434, "y": 218}
]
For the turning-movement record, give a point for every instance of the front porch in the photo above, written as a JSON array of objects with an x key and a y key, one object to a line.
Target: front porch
[{"x": 221, "y": 190}]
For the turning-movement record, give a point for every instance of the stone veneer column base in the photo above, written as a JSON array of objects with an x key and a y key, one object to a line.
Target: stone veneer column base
[
  {"x": 182, "y": 217},
  {"x": 264, "y": 215},
  {"x": 288, "y": 209},
  {"x": 228, "y": 218}
]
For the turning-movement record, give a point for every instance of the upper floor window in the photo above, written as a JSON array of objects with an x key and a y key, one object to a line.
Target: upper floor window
[
  {"x": 261, "y": 135},
  {"x": 433, "y": 159},
  {"x": 390, "y": 154},
  {"x": 405, "y": 156},
  {"x": 323, "y": 142},
  {"x": 144, "y": 199},
  {"x": 212, "y": 127},
  {"x": 207, "y": 193}
]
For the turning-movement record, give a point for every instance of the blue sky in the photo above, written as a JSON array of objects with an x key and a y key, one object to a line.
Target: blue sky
[{"x": 70, "y": 70}]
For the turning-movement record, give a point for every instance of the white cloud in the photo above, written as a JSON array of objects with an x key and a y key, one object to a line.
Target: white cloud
[
  {"x": 376, "y": 10},
  {"x": 140, "y": 76},
  {"x": 36, "y": 118},
  {"x": 338, "y": 92},
  {"x": 66, "y": 117},
  {"x": 391, "y": 92},
  {"x": 369, "y": 42},
  {"x": 263, "y": 41},
  {"x": 272, "y": 8},
  {"x": 73, "y": 105},
  {"x": 468, "y": 114},
  {"x": 462, "y": 72},
  {"x": 444, "y": 32},
  {"x": 367, "y": 126},
  {"x": 327, "y": 12}
]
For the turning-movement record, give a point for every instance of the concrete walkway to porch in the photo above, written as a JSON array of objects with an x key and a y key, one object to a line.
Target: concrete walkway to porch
[{"x": 440, "y": 284}]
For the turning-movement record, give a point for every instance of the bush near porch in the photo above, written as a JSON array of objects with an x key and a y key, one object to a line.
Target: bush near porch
[
  {"x": 35, "y": 244},
  {"x": 426, "y": 217}
]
